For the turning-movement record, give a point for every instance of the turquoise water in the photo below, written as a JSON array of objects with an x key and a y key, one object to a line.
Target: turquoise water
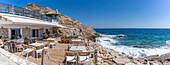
[{"x": 140, "y": 38}]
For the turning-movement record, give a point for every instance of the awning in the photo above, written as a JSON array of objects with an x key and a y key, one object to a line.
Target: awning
[{"x": 25, "y": 21}]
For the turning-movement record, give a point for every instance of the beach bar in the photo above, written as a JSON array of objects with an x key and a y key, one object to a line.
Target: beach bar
[{"x": 17, "y": 20}]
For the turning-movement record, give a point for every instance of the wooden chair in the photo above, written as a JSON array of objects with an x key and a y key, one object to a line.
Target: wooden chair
[
  {"x": 75, "y": 44},
  {"x": 47, "y": 46},
  {"x": 71, "y": 57},
  {"x": 36, "y": 39},
  {"x": 52, "y": 43},
  {"x": 39, "y": 41},
  {"x": 57, "y": 38},
  {"x": 27, "y": 50},
  {"x": 19, "y": 46},
  {"x": 45, "y": 40},
  {"x": 39, "y": 49},
  {"x": 62, "y": 40},
  {"x": 84, "y": 57},
  {"x": 51, "y": 40},
  {"x": 67, "y": 40}
]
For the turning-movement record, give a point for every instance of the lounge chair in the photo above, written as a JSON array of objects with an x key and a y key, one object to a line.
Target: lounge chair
[
  {"x": 71, "y": 57},
  {"x": 84, "y": 57}
]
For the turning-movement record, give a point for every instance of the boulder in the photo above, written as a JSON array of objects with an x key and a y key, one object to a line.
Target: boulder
[
  {"x": 130, "y": 63},
  {"x": 166, "y": 63},
  {"x": 121, "y": 60},
  {"x": 155, "y": 63}
]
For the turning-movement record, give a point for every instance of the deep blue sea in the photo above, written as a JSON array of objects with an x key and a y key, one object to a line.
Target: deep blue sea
[{"x": 138, "y": 41}]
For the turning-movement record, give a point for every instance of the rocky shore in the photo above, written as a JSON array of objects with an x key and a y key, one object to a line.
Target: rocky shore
[{"x": 110, "y": 57}]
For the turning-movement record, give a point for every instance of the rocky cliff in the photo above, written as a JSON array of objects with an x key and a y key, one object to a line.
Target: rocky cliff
[{"x": 69, "y": 23}]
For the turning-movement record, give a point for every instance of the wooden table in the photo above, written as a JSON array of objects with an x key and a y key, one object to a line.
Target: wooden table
[
  {"x": 11, "y": 45},
  {"x": 78, "y": 48},
  {"x": 34, "y": 45},
  {"x": 51, "y": 39},
  {"x": 76, "y": 40}
]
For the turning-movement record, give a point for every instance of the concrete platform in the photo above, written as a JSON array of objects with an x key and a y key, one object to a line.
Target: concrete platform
[{"x": 5, "y": 61}]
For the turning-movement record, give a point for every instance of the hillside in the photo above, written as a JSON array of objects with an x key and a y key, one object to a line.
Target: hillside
[{"x": 69, "y": 23}]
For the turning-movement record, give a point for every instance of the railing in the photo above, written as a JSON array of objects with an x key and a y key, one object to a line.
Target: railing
[{"x": 11, "y": 9}]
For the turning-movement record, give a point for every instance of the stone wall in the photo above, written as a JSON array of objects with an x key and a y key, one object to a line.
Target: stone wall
[
  {"x": 4, "y": 32},
  {"x": 26, "y": 32},
  {"x": 51, "y": 30}
]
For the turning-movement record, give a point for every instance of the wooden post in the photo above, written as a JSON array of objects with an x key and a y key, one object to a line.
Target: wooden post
[
  {"x": 95, "y": 54},
  {"x": 42, "y": 58}
]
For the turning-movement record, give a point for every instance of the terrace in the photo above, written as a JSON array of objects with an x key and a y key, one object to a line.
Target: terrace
[
  {"x": 57, "y": 50},
  {"x": 11, "y": 9}
]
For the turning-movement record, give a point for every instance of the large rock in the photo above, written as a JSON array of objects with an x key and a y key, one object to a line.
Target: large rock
[
  {"x": 69, "y": 23},
  {"x": 121, "y": 60}
]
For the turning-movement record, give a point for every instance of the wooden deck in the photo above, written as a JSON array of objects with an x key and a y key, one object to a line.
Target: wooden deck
[{"x": 57, "y": 55}]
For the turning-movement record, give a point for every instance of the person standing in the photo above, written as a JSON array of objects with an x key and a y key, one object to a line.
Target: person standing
[
  {"x": 1, "y": 42},
  {"x": 74, "y": 32},
  {"x": 81, "y": 32}
]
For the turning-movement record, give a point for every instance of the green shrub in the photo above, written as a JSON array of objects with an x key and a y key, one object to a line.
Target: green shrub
[
  {"x": 14, "y": 37},
  {"x": 26, "y": 38},
  {"x": 29, "y": 4}
]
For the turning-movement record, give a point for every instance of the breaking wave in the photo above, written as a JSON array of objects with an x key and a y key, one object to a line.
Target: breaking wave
[{"x": 108, "y": 41}]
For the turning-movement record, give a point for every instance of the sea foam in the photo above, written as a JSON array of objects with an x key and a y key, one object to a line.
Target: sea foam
[{"x": 108, "y": 41}]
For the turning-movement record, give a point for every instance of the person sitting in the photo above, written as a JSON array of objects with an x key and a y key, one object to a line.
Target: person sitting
[
  {"x": 45, "y": 36},
  {"x": 1, "y": 42},
  {"x": 20, "y": 39}
]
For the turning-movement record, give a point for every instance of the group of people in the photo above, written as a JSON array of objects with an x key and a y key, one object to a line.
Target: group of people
[
  {"x": 81, "y": 32},
  {"x": 18, "y": 40}
]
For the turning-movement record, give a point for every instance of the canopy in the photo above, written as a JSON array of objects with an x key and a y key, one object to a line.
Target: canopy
[{"x": 26, "y": 21}]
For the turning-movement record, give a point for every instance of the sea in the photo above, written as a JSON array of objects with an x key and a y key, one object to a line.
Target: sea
[{"x": 137, "y": 42}]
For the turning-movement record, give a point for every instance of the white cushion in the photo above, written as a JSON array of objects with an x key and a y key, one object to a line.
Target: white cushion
[
  {"x": 71, "y": 58},
  {"x": 45, "y": 47},
  {"x": 39, "y": 51},
  {"x": 84, "y": 58},
  {"x": 28, "y": 50},
  {"x": 18, "y": 46},
  {"x": 52, "y": 43}
]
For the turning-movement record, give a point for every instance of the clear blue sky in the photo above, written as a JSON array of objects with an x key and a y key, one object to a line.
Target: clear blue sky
[{"x": 110, "y": 13}]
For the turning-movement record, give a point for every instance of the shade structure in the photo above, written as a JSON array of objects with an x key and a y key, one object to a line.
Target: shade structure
[{"x": 27, "y": 21}]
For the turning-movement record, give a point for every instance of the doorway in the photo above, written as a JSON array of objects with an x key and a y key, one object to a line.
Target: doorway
[
  {"x": 35, "y": 32},
  {"x": 15, "y": 32}
]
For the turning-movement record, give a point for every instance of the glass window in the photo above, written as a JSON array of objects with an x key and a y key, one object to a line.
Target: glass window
[{"x": 35, "y": 32}]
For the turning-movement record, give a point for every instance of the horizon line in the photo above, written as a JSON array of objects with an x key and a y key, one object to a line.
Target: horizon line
[{"x": 134, "y": 28}]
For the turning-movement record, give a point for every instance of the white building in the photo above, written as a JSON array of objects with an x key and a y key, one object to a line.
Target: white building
[{"x": 16, "y": 20}]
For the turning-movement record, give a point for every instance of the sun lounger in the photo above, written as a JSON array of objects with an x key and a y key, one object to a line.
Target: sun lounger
[{"x": 71, "y": 57}]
